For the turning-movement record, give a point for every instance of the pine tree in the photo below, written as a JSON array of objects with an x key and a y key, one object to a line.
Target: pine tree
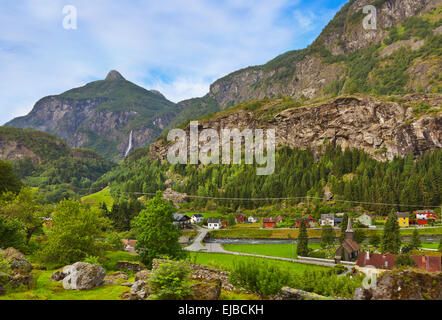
[
  {"x": 415, "y": 240},
  {"x": 391, "y": 239},
  {"x": 343, "y": 227},
  {"x": 302, "y": 239}
]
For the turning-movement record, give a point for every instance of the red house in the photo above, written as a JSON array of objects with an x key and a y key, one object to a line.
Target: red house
[
  {"x": 241, "y": 218},
  {"x": 269, "y": 223},
  {"x": 224, "y": 224},
  {"x": 386, "y": 261}
]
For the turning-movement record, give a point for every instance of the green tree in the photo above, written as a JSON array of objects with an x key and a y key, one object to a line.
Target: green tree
[
  {"x": 391, "y": 238},
  {"x": 156, "y": 234},
  {"x": 440, "y": 245},
  {"x": 302, "y": 240},
  {"x": 11, "y": 233},
  {"x": 343, "y": 227},
  {"x": 74, "y": 233},
  {"x": 328, "y": 236},
  {"x": 9, "y": 181},
  {"x": 375, "y": 239},
  {"x": 359, "y": 235},
  {"x": 26, "y": 209},
  {"x": 415, "y": 240}
]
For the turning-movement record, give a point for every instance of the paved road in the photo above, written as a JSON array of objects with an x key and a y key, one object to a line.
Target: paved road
[{"x": 197, "y": 246}]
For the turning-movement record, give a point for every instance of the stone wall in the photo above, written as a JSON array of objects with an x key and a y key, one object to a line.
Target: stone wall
[{"x": 205, "y": 274}]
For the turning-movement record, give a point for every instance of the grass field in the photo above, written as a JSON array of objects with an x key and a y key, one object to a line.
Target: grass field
[
  {"x": 45, "y": 289},
  {"x": 225, "y": 262},
  {"x": 272, "y": 250},
  {"x": 430, "y": 245},
  {"x": 100, "y": 197}
]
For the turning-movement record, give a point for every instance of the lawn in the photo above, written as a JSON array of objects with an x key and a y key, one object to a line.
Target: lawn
[
  {"x": 100, "y": 197},
  {"x": 254, "y": 233},
  {"x": 225, "y": 262},
  {"x": 45, "y": 289},
  {"x": 272, "y": 250},
  {"x": 430, "y": 245}
]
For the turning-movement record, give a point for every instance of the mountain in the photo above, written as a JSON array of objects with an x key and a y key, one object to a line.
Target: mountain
[
  {"x": 45, "y": 161},
  {"x": 101, "y": 116},
  {"x": 403, "y": 55}
]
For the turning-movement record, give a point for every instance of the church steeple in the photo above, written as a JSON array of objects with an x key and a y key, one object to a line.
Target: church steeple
[{"x": 349, "y": 231}]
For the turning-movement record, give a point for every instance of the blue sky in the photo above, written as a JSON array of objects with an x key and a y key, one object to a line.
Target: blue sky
[{"x": 177, "y": 47}]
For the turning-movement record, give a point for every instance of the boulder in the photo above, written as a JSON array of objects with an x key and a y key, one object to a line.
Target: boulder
[
  {"x": 127, "y": 284},
  {"x": 128, "y": 296},
  {"x": 140, "y": 290},
  {"x": 117, "y": 276},
  {"x": 362, "y": 294},
  {"x": 130, "y": 266},
  {"x": 83, "y": 276},
  {"x": 21, "y": 279},
  {"x": 206, "y": 291},
  {"x": 4, "y": 278},
  {"x": 58, "y": 276},
  {"x": 143, "y": 275},
  {"x": 17, "y": 260}
]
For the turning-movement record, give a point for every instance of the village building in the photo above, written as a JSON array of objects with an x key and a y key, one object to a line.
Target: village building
[
  {"x": 383, "y": 262},
  {"x": 338, "y": 221},
  {"x": 214, "y": 224},
  {"x": 403, "y": 219},
  {"x": 349, "y": 249},
  {"x": 365, "y": 219},
  {"x": 327, "y": 220},
  {"x": 197, "y": 218},
  {"x": 279, "y": 219},
  {"x": 269, "y": 223},
  {"x": 241, "y": 218},
  {"x": 181, "y": 220},
  {"x": 129, "y": 245},
  {"x": 253, "y": 219}
]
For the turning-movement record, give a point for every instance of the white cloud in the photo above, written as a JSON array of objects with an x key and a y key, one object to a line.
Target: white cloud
[{"x": 177, "y": 47}]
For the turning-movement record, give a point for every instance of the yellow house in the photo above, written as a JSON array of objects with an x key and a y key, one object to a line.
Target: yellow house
[{"x": 403, "y": 218}]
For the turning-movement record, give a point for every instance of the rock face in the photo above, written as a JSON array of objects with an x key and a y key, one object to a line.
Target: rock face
[
  {"x": 83, "y": 276},
  {"x": 206, "y": 291},
  {"x": 101, "y": 115},
  {"x": 174, "y": 196},
  {"x": 17, "y": 261},
  {"x": 384, "y": 129},
  {"x": 18, "y": 274},
  {"x": 294, "y": 294},
  {"x": 130, "y": 266},
  {"x": 404, "y": 285}
]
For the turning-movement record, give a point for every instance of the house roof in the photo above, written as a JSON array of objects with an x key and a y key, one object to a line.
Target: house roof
[
  {"x": 380, "y": 261},
  {"x": 180, "y": 217},
  {"x": 351, "y": 245},
  {"x": 197, "y": 215},
  {"x": 214, "y": 220},
  {"x": 403, "y": 215},
  {"x": 429, "y": 263},
  {"x": 327, "y": 216},
  {"x": 268, "y": 220}
]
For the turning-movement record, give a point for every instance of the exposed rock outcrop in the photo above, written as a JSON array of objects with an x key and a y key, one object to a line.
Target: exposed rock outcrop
[
  {"x": 384, "y": 129},
  {"x": 295, "y": 294},
  {"x": 83, "y": 276},
  {"x": 404, "y": 285}
]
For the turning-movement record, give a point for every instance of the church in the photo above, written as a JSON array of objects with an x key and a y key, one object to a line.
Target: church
[{"x": 349, "y": 249}]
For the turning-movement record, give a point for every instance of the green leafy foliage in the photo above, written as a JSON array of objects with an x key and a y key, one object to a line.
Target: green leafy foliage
[
  {"x": 11, "y": 233},
  {"x": 328, "y": 236},
  {"x": 259, "y": 277},
  {"x": 391, "y": 239},
  {"x": 74, "y": 233},
  {"x": 156, "y": 234},
  {"x": 404, "y": 260},
  {"x": 302, "y": 249},
  {"x": 170, "y": 281},
  {"x": 9, "y": 180}
]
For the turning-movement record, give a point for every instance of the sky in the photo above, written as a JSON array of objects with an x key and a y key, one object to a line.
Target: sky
[{"x": 178, "y": 47}]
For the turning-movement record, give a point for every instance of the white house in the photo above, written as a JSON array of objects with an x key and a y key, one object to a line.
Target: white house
[
  {"x": 197, "y": 218},
  {"x": 253, "y": 219},
  {"x": 327, "y": 220},
  {"x": 214, "y": 224}
]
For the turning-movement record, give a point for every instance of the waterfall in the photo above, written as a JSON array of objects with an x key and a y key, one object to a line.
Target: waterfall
[{"x": 129, "y": 147}]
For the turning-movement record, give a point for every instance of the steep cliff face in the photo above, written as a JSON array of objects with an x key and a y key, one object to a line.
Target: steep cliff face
[
  {"x": 384, "y": 129},
  {"x": 101, "y": 115},
  {"x": 325, "y": 68}
]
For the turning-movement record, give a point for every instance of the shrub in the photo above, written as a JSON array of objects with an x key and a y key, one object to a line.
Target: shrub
[
  {"x": 404, "y": 260},
  {"x": 11, "y": 234},
  {"x": 170, "y": 281},
  {"x": 260, "y": 277}
]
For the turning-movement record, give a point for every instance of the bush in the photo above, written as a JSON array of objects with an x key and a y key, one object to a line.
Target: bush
[
  {"x": 11, "y": 234},
  {"x": 170, "y": 281},
  {"x": 260, "y": 277},
  {"x": 404, "y": 260}
]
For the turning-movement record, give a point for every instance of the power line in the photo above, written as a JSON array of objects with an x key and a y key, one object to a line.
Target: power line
[{"x": 287, "y": 198}]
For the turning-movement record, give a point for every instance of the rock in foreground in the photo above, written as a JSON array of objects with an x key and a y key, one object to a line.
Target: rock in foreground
[{"x": 83, "y": 276}]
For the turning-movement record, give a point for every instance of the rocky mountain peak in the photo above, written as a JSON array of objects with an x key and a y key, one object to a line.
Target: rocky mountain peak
[{"x": 114, "y": 75}]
